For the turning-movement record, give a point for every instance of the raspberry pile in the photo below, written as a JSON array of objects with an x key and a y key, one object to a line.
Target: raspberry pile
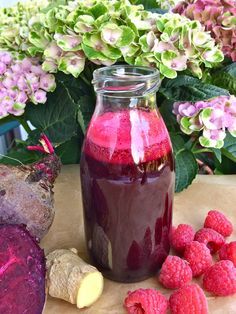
[{"x": 195, "y": 259}]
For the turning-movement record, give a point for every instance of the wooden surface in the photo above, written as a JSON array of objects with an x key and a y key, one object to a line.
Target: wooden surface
[{"x": 191, "y": 206}]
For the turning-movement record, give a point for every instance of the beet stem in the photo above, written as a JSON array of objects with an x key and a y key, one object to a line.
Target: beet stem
[
  {"x": 49, "y": 167},
  {"x": 45, "y": 147}
]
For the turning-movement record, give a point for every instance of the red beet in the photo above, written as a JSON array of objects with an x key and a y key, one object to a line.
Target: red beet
[
  {"x": 22, "y": 272},
  {"x": 26, "y": 195}
]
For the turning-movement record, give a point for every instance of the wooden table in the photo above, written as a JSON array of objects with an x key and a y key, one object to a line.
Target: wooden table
[{"x": 191, "y": 206}]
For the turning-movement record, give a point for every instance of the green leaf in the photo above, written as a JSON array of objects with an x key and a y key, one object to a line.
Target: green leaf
[
  {"x": 77, "y": 86},
  {"x": 69, "y": 152},
  {"x": 57, "y": 117},
  {"x": 185, "y": 163},
  {"x": 231, "y": 69},
  {"x": 20, "y": 155},
  {"x": 170, "y": 119},
  {"x": 226, "y": 78},
  {"x": 187, "y": 88},
  {"x": 84, "y": 97},
  {"x": 227, "y": 166},
  {"x": 218, "y": 154},
  {"x": 85, "y": 111},
  {"x": 148, "y": 4},
  {"x": 229, "y": 149}
]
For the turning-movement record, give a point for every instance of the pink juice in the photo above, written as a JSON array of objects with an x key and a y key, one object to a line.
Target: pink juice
[{"x": 127, "y": 176}]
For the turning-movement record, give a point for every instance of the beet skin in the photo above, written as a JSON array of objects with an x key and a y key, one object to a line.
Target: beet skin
[
  {"x": 26, "y": 195},
  {"x": 22, "y": 272}
]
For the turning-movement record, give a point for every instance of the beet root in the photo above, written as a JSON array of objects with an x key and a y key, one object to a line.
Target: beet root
[
  {"x": 26, "y": 195},
  {"x": 22, "y": 272}
]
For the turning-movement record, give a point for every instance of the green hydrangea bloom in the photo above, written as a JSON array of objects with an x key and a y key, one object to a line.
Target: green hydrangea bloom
[
  {"x": 15, "y": 24},
  {"x": 67, "y": 33}
]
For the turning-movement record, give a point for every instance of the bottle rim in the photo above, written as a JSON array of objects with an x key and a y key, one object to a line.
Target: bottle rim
[{"x": 124, "y": 72}]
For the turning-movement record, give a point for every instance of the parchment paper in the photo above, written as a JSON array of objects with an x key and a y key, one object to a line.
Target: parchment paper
[{"x": 191, "y": 206}]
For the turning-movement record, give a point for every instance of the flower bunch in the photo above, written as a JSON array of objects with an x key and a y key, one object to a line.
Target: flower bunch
[
  {"x": 14, "y": 24},
  {"x": 218, "y": 16},
  {"x": 111, "y": 31},
  {"x": 107, "y": 31},
  {"x": 22, "y": 81},
  {"x": 178, "y": 44},
  {"x": 213, "y": 118}
]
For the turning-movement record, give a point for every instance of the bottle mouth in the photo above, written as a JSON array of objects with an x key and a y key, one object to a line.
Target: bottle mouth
[
  {"x": 124, "y": 72},
  {"x": 126, "y": 81}
]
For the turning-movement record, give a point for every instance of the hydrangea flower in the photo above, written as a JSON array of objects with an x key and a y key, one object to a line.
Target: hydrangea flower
[
  {"x": 169, "y": 42},
  {"x": 15, "y": 26},
  {"x": 107, "y": 31},
  {"x": 218, "y": 17},
  {"x": 22, "y": 81},
  {"x": 213, "y": 118}
]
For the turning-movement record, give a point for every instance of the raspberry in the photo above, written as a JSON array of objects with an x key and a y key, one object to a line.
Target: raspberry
[
  {"x": 228, "y": 251},
  {"x": 175, "y": 273},
  {"x": 220, "y": 279},
  {"x": 146, "y": 301},
  {"x": 188, "y": 300},
  {"x": 218, "y": 222},
  {"x": 212, "y": 239},
  {"x": 199, "y": 257},
  {"x": 181, "y": 236}
]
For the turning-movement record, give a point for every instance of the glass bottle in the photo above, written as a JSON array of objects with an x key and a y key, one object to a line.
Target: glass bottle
[{"x": 127, "y": 175}]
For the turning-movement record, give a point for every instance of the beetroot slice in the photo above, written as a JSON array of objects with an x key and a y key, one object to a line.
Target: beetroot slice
[{"x": 22, "y": 272}]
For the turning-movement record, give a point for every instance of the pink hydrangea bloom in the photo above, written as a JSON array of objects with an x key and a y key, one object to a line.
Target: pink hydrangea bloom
[
  {"x": 218, "y": 16},
  {"x": 22, "y": 81},
  {"x": 213, "y": 117}
]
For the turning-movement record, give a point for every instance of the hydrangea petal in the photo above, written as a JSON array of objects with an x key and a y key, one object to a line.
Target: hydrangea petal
[{"x": 72, "y": 64}]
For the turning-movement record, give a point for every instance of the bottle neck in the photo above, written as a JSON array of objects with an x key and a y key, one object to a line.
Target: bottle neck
[{"x": 108, "y": 103}]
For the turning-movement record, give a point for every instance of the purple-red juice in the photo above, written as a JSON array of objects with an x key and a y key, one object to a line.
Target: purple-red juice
[{"x": 127, "y": 176}]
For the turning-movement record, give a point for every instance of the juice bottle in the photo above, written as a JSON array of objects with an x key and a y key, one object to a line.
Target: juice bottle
[{"x": 127, "y": 176}]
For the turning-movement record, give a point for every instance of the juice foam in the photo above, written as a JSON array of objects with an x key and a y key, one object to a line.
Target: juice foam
[{"x": 127, "y": 137}]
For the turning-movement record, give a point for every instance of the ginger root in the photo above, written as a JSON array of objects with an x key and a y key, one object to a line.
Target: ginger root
[{"x": 73, "y": 280}]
